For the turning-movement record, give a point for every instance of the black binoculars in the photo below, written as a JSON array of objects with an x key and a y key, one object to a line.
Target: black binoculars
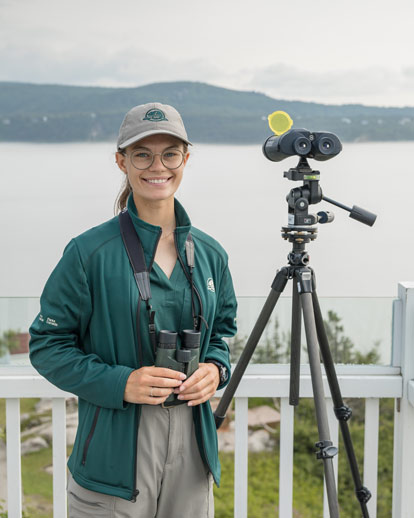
[
  {"x": 319, "y": 145},
  {"x": 183, "y": 359}
]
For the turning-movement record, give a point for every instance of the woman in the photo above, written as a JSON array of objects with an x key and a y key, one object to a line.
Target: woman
[{"x": 95, "y": 336}]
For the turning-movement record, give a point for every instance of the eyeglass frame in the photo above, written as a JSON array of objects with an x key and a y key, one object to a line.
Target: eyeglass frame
[{"x": 123, "y": 152}]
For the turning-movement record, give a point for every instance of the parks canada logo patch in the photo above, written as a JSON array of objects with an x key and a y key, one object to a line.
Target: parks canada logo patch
[
  {"x": 210, "y": 285},
  {"x": 155, "y": 115}
]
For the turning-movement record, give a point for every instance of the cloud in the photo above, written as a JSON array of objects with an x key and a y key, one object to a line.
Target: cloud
[
  {"x": 352, "y": 85},
  {"x": 43, "y": 63},
  {"x": 94, "y": 65}
]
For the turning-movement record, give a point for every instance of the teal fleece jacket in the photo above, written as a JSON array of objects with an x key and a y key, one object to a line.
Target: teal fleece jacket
[{"x": 84, "y": 341}]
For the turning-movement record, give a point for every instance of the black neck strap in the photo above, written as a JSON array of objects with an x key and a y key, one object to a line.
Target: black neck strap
[{"x": 136, "y": 257}]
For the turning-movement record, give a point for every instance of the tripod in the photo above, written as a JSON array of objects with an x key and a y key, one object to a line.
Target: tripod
[{"x": 299, "y": 232}]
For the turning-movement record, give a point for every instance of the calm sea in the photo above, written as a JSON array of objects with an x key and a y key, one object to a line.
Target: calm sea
[{"x": 52, "y": 192}]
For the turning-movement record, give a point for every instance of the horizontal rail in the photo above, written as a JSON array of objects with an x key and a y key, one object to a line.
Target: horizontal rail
[{"x": 359, "y": 381}]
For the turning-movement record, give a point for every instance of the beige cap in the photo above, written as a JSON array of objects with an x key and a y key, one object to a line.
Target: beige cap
[{"x": 150, "y": 119}]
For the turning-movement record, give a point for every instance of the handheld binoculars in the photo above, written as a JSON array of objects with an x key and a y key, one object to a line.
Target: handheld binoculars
[{"x": 183, "y": 359}]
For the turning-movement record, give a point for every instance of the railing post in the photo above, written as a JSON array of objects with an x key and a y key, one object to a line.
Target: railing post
[
  {"x": 14, "y": 467},
  {"x": 241, "y": 452},
  {"x": 403, "y": 356}
]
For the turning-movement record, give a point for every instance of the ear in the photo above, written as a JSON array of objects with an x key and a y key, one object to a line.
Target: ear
[
  {"x": 186, "y": 157},
  {"x": 120, "y": 159}
]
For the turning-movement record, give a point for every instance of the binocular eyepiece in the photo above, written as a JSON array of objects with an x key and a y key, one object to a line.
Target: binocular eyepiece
[{"x": 319, "y": 145}]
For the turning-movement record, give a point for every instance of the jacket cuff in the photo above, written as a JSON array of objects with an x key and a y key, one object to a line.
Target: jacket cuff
[{"x": 118, "y": 401}]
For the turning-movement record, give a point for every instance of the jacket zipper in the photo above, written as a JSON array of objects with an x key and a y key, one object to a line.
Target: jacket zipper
[
  {"x": 88, "y": 439},
  {"x": 135, "y": 492}
]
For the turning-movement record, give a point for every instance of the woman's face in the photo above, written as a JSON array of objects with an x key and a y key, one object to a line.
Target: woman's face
[{"x": 157, "y": 182}]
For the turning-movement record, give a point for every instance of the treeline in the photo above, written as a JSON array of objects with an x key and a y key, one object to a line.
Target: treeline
[{"x": 57, "y": 113}]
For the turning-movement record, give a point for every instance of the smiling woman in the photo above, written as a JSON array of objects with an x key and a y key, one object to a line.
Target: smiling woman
[
  {"x": 153, "y": 168},
  {"x": 107, "y": 330}
]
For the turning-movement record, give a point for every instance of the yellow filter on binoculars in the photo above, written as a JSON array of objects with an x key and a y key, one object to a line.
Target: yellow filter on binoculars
[{"x": 279, "y": 122}]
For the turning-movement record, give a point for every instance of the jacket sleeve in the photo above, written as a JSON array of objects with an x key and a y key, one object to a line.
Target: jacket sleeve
[
  {"x": 56, "y": 349},
  {"x": 224, "y": 324}
]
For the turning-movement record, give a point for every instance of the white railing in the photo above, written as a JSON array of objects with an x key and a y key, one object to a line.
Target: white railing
[{"x": 369, "y": 382}]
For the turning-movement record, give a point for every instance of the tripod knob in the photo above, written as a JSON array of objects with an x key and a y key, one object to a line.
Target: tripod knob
[{"x": 298, "y": 258}]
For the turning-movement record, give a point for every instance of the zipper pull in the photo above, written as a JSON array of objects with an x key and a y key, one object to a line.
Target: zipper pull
[
  {"x": 189, "y": 251},
  {"x": 135, "y": 493}
]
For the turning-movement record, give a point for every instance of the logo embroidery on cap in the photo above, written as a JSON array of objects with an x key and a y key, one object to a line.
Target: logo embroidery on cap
[
  {"x": 210, "y": 285},
  {"x": 155, "y": 115}
]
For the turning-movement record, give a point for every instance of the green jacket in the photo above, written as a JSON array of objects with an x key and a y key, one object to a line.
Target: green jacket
[{"x": 84, "y": 341}]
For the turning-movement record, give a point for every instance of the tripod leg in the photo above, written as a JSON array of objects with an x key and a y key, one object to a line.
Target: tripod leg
[
  {"x": 295, "y": 346},
  {"x": 342, "y": 412},
  {"x": 278, "y": 286},
  {"x": 327, "y": 451}
]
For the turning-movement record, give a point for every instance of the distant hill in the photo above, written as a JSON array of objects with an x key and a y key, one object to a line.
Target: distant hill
[{"x": 55, "y": 113}]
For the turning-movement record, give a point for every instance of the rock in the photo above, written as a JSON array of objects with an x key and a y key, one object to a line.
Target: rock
[
  {"x": 260, "y": 440},
  {"x": 39, "y": 429},
  {"x": 71, "y": 405},
  {"x": 71, "y": 435},
  {"x": 262, "y": 415},
  {"x": 33, "y": 444},
  {"x": 49, "y": 469},
  {"x": 72, "y": 419},
  {"x": 226, "y": 441},
  {"x": 44, "y": 405}
]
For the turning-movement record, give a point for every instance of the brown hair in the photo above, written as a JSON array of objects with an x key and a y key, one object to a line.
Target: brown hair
[{"x": 126, "y": 189}]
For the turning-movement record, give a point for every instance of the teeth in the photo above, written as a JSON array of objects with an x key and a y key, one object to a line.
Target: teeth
[{"x": 157, "y": 181}]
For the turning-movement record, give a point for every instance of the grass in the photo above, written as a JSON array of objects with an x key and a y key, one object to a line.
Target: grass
[{"x": 263, "y": 472}]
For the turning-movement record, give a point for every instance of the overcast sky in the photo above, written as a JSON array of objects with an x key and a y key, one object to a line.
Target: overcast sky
[{"x": 316, "y": 50}]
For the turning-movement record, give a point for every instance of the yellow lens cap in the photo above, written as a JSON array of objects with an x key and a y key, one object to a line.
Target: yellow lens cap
[{"x": 279, "y": 122}]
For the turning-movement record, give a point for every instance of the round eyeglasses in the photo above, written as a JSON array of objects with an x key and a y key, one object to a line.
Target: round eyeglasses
[{"x": 143, "y": 159}]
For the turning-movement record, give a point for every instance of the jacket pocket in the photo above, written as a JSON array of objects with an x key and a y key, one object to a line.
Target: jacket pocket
[{"x": 90, "y": 435}]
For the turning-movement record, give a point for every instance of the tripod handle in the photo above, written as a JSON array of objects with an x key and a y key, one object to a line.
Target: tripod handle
[{"x": 358, "y": 213}]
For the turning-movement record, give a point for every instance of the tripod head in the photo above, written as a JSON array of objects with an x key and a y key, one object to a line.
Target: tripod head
[{"x": 310, "y": 193}]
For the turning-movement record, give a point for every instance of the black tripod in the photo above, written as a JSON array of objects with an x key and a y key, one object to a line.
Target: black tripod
[{"x": 299, "y": 232}]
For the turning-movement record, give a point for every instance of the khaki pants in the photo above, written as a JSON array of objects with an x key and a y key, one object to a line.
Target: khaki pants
[{"x": 172, "y": 480}]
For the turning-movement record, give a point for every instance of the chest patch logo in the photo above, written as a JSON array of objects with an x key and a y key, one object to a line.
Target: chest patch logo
[
  {"x": 155, "y": 116},
  {"x": 210, "y": 285}
]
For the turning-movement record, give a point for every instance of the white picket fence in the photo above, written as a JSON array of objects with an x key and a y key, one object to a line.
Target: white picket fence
[{"x": 369, "y": 382}]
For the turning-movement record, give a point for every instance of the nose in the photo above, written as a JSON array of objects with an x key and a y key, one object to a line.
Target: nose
[{"x": 157, "y": 164}]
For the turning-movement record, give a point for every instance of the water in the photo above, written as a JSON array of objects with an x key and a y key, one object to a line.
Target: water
[{"x": 52, "y": 192}]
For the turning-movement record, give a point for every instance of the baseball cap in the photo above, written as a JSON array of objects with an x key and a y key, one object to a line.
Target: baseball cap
[{"x": 150, "y": 119}]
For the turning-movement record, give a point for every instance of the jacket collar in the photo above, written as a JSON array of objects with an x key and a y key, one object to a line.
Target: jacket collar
[{"x": 150, "y": 234}]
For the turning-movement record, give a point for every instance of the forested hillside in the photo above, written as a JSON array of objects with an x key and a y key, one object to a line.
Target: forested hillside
[{"x": 56, "y": 113}]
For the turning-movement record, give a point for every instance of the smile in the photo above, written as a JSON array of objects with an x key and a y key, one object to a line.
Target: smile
[{"x": 156, "y": 180}]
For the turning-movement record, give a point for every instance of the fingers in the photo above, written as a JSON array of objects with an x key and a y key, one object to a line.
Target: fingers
[
  {"x": 157, "y": 396},
  {"x": 153, "y": 381},
  {"x": 160, "y": 381},
  {"x": 163, "y": 372},
  {"x": 162, "y": 377},
  {"x": 196, "y": 398},
  {"x": 200, "y": 387}
]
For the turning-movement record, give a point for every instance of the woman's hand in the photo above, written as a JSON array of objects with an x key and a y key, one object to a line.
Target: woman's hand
[
  {"x": 151, "y": 385},
  {"x": 201, "y": 385}
]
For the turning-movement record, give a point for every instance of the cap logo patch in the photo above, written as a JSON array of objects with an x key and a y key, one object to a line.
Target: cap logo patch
[{"x": 155, "y": 115}]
